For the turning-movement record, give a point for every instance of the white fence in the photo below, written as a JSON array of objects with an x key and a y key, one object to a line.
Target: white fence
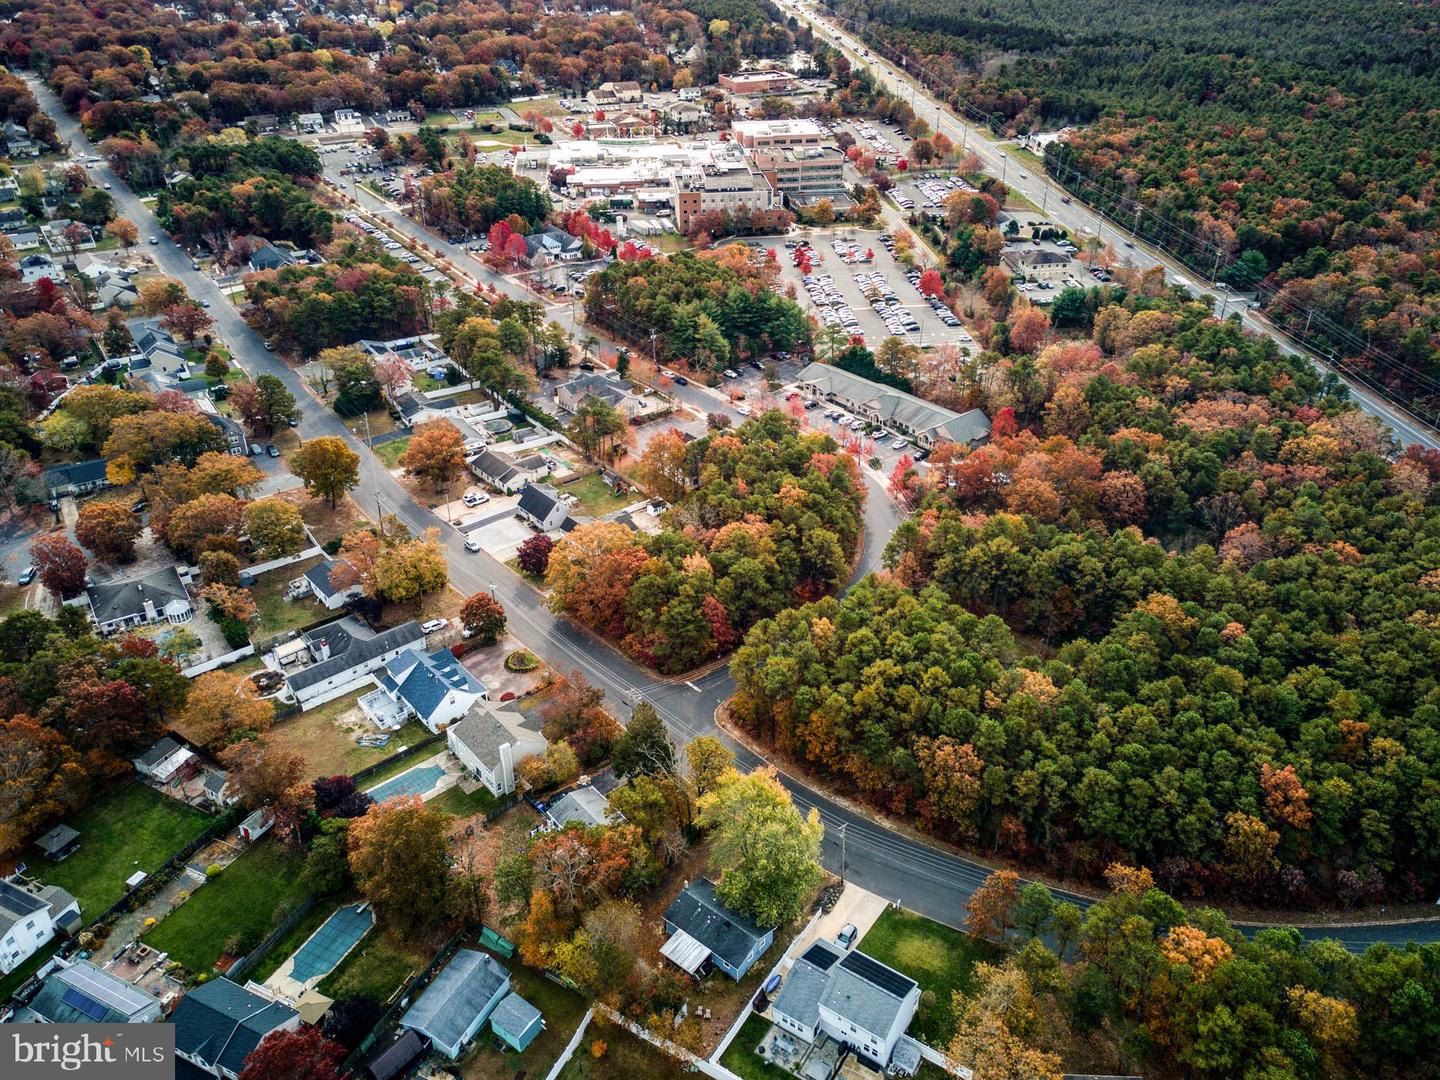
[
  {"x": 286, "y": 560},
  {"x": 218, "y": 661}
]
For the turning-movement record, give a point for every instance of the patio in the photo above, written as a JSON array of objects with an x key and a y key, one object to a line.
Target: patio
[{"x": 384, "y": 711}]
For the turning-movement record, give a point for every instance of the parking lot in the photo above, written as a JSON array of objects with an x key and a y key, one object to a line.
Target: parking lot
[
  {"x": 855, "y": 283},
  {"x": 926, "y": 192}
]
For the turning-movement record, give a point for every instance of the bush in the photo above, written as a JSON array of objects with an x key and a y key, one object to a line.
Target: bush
[
  {"x": 213, "y": 870},
  {"x": 521, "y": 661},
  {"x": 236, "y": 635},
  {"x": 330, "y": 547}
]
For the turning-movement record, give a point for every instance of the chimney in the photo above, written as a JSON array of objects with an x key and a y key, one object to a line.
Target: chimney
[{"x": 324, "y": 648}]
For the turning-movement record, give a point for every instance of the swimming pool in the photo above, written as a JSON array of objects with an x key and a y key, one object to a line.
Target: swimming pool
[
  {"x": 416, "y": 781},
  {"x": 328, "y": 945}
]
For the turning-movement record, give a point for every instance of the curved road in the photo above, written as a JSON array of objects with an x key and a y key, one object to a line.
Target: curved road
[{"x": 923, "y": 878}]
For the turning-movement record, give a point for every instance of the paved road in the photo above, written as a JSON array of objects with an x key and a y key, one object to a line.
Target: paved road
[
  {"x": 924, "y": 879},
  {"x": 1082, "y": 220}
]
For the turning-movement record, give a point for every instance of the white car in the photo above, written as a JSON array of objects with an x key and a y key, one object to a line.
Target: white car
[
  {"x": 472, "y": 545},
  {"x": 433, "y": 624},
  {"x": 743, "y": 410},
  {"x": 475, "y": 498},
  {"x": 730, "y": 373}
]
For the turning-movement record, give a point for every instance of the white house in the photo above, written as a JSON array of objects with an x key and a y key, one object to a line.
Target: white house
[
  {"x": 433, "y": 687},
  {"x": 541, "y": 507},
  {"x": 310, "y": 121},
  {"x": 507, "y": 472},
  {"x": 490, "y": 741},
  {"x": 163, "y": 760},
  {"x": 458, "y": 1001},
  {"x": 29, "y": 916},
  {"x": 157, "y": 597},
  {"x": 345, "y": 654},
  {"x": 316, "y": 582},
  {"x": 848, "y": 996},
  {"x": 348, "y": 120}
]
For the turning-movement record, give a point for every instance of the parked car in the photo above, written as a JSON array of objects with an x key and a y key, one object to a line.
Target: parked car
[
  {"x": 431, "y": 625},
  {"x": 272, "y": 450},
  {"x": 154, "y": 240},
  {"x": 847, "y": 935},
  {"x": 27, "y": 575},
  {"x": 680, "y": 380},
  {"x": 472, "y": 545},
  {"x": 475, "y": 498},
  {"x": 730, "y": 373}
]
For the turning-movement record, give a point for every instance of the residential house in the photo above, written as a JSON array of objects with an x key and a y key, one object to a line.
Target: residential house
[
  {"x": 264, "y": 123},
  {"x": 53, "y": 233},
  {"x": 432, "y": 687},
  {"x": 689, "y": 93},
  {"x": 81, "y": 993},
  {"x": 176, "y": 177},
  {"x": 218, "y": 1024},
  {"x": 579, "y": 806},
  {"x": 310, "y": 122},
  {"x": 163, "y": 761},
  {"x": 58, "y": 843},
  {"x": 348, "y": 120},
  {"x": 1039, "y": 265},
  {"x": 540, "y": 506},
  {"x": 508, "y": 472},
  {"x": 157, "y": 597},
  {"x": 684, "y": 116},
  {"x": 236, "y": 441},
  {"x": 23, "y": 239},
  {"x": 156, "y": 349},
  {"x": 491, "y": 740},
  {"x": 270, "y": 257},
  {"x": 609, "y": 388},
  {"x": 345, "y": 655},
  {"x": 30, "y": 914},
  {"x": 704, "y": 931},
  {"x": 516, "y": 1022},
  {"x": 35, "y": 267},
  {"x": 925, "y": 422},
  {"x": 553, "y": 245},
  {"x": 9, "y": 189},
  {"x": 848, "y": 997},
  {"x": 609, "y": 95},
  {"x": 77, "y": 478},
  {"x": 13, "y": 217},
  {"x": 316, "y": 583},
  {"x": 458, "y": 1001}
]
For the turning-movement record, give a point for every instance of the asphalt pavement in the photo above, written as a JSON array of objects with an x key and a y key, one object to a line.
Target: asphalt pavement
[{"x": 924, "y": 878}]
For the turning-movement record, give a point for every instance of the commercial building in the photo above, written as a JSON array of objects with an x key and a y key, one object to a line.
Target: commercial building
[
  {"x": 804, "y": 175},
  {"x": 762, "y": 134},
  {"x": 916, "y": 418},
  {"x": 734, "y": 190},
  {"x": 758, "y": 82}
]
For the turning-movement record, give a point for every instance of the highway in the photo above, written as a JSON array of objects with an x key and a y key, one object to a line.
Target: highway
[
  {"x": 922, "y": 877},
  {"x": 1083, "y": 221}
]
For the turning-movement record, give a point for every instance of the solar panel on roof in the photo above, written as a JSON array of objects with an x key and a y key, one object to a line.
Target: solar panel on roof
[
  {"x": 877, "y": 974},
  {"x": 820, "y": 956},
  {"x": 76, "y": 1000}
]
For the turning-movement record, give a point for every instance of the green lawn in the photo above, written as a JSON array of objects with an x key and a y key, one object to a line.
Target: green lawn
[
  {"x": 389, "y": 452},
  {"x": 423, "y": 383},
  {"x": 596, "y": 498},
  {"x": 741, "y": 1059},
  {"x": 278, "y": 614},
  {"x": 626, "y": 1057},
  {"x": 330, "y": 748},
  {"x": 562, "y": 1010},
  {"x": 939, "y": 958},
  {"x": 454, "y": 801},
  {"x": 233, "y": 912},
  {"x": 379, "y": 967},
  {"x": 292, "y": 940},
  {"x": 132, "y": 828}
]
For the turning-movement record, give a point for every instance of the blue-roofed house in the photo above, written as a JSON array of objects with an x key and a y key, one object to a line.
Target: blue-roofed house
[
  {"x": 456, "y": 1004},
  {"x": 219, "y": 1023},
  {"x": 433, "y": 687},
  {"x": 77, "y": 478},
  {"x": 81, "y": 993},
  {"x": 316, "y": 583},
  {"x": 703, "y": 930},
  {"x": 516, "y": 1022}
]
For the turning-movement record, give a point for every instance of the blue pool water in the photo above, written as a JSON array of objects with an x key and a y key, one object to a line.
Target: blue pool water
[{"x": 414, "y": 781}]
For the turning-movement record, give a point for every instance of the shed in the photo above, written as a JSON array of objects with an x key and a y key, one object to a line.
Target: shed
[
  {"x": 59, "y": 843},
  {"x": 516, "y": 1022},
  {"x": 396, "y": 1058}
]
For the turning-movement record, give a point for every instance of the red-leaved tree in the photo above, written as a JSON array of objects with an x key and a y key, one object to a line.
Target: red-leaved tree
[{"x": 294, "y": 1055}]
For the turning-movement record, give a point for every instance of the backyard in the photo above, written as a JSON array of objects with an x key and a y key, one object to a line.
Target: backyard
[
  {"x": 596, "y": 497},
  {"x": 625, "y": 1057},
  {"x": 133, "y": 828},
  {"x": 455, "y": 802},
  {"x": 378, "y": 968},
  {"x": 741, "y": 1059},
  {"x": 390, "y": 452},
  {"x": 562, "y": 1010},
  {"x": 232, "y": 913},
  {"x": 941, "y": 959},
  {"x": 278, "y": 614},
  {"x": 325, "y": 737}
]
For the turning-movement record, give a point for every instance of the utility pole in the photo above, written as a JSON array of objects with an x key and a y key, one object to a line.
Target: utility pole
[{"x": 843, "y": 826}]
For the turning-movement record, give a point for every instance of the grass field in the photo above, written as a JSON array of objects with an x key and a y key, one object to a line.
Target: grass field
[
  {"x": 278, "y": 614},
  {"x": 132, "y": 828},
  {"x": 454, "y": 801},
  {"x": 626, "y": 1057},
  {"x": 596, "y": 498},
  {"x": 291, "y": 941},
  {"x": 741, "y": 1059},
  {"x": 389, "y": 452},
  {"x": 233, "y": 913},
  {"x": 941, "y": 959},
  {"x": 378, "y": 968},
  {"x": 329, "y": 748},
  {"x": 562, "y": 1010}
]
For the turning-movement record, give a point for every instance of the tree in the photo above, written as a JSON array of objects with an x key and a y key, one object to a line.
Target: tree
[
  {"x": 644, "y": 748},
  {"x": 989, "y": 913},
  {"x": 400, "y": 860},
  {"x": 932, "y": 284},
  {"x": 596, "y": 428},
  {"x": 303, "y": 1054},
  {"x": 275, "y": 528},
  {"x": 709, "y": 760},
  {"x": 662, "y": 467},
  {"x": 261, "y": 773},
  {"x": 357, "y": 388},
  {"x": 327, "y": 466},
  {"x": 221, "y": 708},
  {"x": 231, "y": 601},
  {"x": 413, "y": 568},
  {"x": 996, "y": 1027},
  {"x": 951, "y": 772},
  {"x": 483, "y": 618},
  {"x": 108, "y": 530},
  {"x": 123, "y": 230},
  {"x": 188, "y": 319},
  {"x": 351, "y": 1019},
  {"x": 767, "y": 854},
  {"x": 59, "y": 564},
  {"x": 41, "y": 779},
  {"x": 200, "y": 523},
  {"x": 533, "y": 556},
  {"x": 275, "y": 405},
  {"x": 327, "y": 866},
  {"x": 436, "y": 453}
]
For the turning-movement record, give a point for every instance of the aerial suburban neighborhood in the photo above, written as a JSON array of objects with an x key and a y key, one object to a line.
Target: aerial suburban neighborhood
[{"x": 764, "y": 539}]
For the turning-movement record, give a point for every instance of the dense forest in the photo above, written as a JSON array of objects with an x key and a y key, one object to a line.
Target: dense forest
[
  {"x": 764, "y": 517},
  {"x": 1183, "y": 609},
  {"x": 1270, "y": 143}
]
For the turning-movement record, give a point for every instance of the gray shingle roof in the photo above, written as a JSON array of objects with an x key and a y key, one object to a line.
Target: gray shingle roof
[
  {"x": 799, "y": 997},
  {"x": 220, "y": 1022},
  {"x": 890, "y": 404},
  {"x": 461, "y": 992},
  {"x": 483, "y": 730},
  {"x": 119, "y": 599},
  {"x": 350, "y": 646},
  {"x": 727, "y": 934},
  {"x": 583, "y": 806},
  {"x": 78, "y": 472},
  {"x": 16, "y": 904},
  {"x": 158, "y": 753},
  {"x": 538, "y": 500},
  {"x": 319, "y": 576},
  {"x": 86, "y": 994},
  {"x": 57, "y": 838},
  {"x": 514, "y": 1015},
  {"x": 865, "y": 996}
]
